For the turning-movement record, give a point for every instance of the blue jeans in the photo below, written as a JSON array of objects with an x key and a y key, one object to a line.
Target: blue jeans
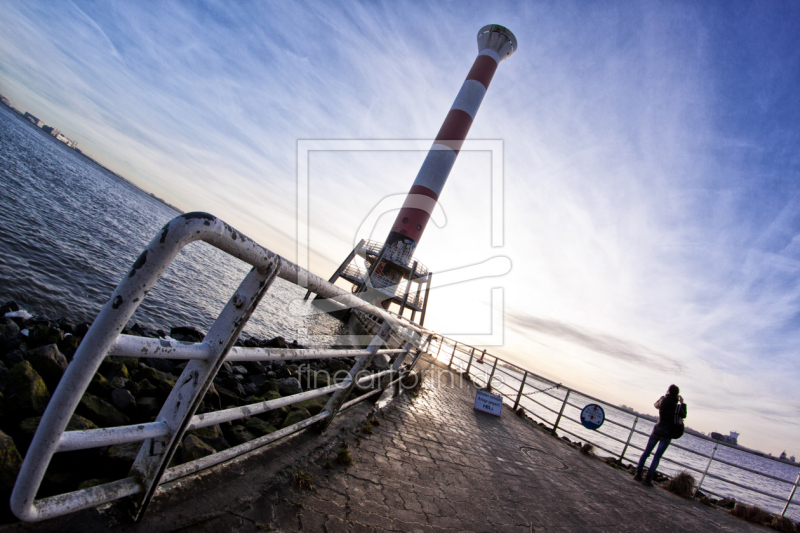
[{"x": 662, "y": 447}]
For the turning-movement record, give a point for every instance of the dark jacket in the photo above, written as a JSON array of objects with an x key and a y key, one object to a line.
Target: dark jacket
[{"x": 666, "y": 416}]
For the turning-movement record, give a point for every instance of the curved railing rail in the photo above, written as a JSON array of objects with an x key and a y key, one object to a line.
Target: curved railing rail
[
  {"x": 161, "y": 438},
  {"x": 517, "y": 385}
]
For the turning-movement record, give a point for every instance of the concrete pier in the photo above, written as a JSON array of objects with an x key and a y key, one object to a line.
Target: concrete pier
[{"x": 433, "y": 464}]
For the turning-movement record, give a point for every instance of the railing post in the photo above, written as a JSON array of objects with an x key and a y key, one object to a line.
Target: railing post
[
  {"x": 789, "y": 501},
  {"x": 450, "y": 364},
  {"x": 521, "y": 386},
  {"x": 471, "y": 356},
  {"x": 339, "y": 397},
  {"x": 561, "y": 412},
  {"x": 708, "y": 466},
  {"x": 489, "y": 383},
  {"x": 441, "y": 343},
  {"x": 625, "y": 449}
]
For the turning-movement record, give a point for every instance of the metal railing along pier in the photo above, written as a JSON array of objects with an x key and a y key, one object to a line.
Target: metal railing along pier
[
  {"x": 557, "y": 406},
  {"x": 161, "y": 438}
]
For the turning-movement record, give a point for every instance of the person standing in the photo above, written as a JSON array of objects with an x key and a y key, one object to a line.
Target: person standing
[{"x": 671, "y": 412}]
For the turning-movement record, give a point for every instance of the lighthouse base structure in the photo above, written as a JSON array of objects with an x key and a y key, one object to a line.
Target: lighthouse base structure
[{"x": 392, "y": 278}]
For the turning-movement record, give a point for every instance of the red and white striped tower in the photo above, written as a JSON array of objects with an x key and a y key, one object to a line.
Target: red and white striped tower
[{"x": 495, "y": 43}]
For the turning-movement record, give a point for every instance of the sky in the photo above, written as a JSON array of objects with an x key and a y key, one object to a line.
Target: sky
[{"x": 648, "y": 156}]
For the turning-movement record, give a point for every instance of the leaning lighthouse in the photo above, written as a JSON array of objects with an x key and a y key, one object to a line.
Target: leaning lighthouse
[{"x": 392, "y": 274}]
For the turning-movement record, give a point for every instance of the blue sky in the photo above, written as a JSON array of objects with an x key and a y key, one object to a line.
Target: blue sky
[{"x": 651, "y": 167}]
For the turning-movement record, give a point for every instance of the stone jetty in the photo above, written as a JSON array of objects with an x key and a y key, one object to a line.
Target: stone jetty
[{"x": 425, "y": 462}]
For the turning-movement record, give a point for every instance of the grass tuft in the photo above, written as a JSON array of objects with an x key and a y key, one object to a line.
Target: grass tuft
[
  {"x": 783, "y": 524},
  {"x": 587, "y": 449},
  {"x": 302, "y": 479},
  {"x": 366, "y": 428},
  {"x": 343, "y": 456},
  {"x": 682, "y": 484},
  {"x": 751, "y": 513}
]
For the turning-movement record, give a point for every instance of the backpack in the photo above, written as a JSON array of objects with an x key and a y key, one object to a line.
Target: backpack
[{"x": 678, "y": 427}]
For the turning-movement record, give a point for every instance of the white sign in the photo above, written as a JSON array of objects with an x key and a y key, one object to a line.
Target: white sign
[{"x": 488, "y": 402}]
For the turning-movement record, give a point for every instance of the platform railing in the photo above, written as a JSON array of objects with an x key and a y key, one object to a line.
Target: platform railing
[
  {"x": 461, "y": 357},
  {"x": 161, "y": 437}
]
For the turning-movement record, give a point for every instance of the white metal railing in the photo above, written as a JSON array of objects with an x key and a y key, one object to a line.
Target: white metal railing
[
  {"x": 161, "y": 438},
  {"x": 462, "y": 357}
]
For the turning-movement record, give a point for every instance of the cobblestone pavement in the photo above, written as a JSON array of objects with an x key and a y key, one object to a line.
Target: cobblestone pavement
[{"x": 434, "y": 464}]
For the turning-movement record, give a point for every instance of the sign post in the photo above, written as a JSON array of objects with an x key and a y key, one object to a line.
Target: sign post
[{"x": 488, "y": 402}]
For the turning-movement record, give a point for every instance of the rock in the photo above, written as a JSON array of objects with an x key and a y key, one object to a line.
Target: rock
[
  {"x": 238, "y": 369},
  {"x": 28, "y": 427},
  {"x": 119, "y": 383},
  {"x": 237, "y": 434},
  {"x": 252, "y": 342},
  {"x": 26, "y": 393},
  {"x": 259, "y": 380},
  {"x": 101, "y": 412},
  {"x": 10, "y": 462},
  {"x": 272, "y": 395},
  {"x": 66, "y": 325},
  {"x": 49, "y": 363},
  {"x": 335, "y": 365},
  {"x": 289, "y": 386},
  {"x": 277, "y": 342},
  {"x": 13, "y": 357},
  {"x": 211, "y": 435},
  {"x": 99, "y": 385},
  {"x": 250, "y": 389},
  {"x": 314, "y": 405},
  {"x": 146, "y": 388},
  {"x": 9, "y": 307},
  {"x": 258, "y": 427},
  {"x": 82, "y": 328},
  {"x": 115, "y": 369},
  {"x": 123, "y": 400},
  {"x": 194, "y": 448},
  {"x": 3, "y": 376},
  {"x": 227, "y": 397},
  {"x": 120, "y": 457},
  {"x": 296, "y": 416},
  {"x": 69, "y": 345},
  {"x": 42, "y": 335},
  {"x": 163, "y": 383},
  {"x": 148, "y": 406},
  {"x": 162, "y": 365},
  {"x": 186, "y": 334},
  {"x": 727, "y": 503},
  {"x": 89, "y": 483}
]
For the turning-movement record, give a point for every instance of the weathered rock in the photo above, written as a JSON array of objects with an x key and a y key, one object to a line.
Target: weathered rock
[
  {"x": 119, "y": 458},
  {"x": 66, "y": 325},
  {"x": 272, "y": 395},
  {"x": 162, "y": 365},
  {"x": 89, "y": 483},
  {"x": 28, "y": 427},
  {"x": 115, "y": 369},
  {"x": 335, "y": 365},
  {"x": 3, "y": 376},
  {"x": 101, "y": 412},
  {"x": 238, "y": 369},
  {"x": 123, "y": 400},
  {"x": 42, "y": 335},
  {"x": 99, "y": 385},
  {"x": 13, "y": 357},
  {"x": 49, "y": 363},
  {"x": 194, "y": 448},
  {"x": 148, "y": 406},
  {"x": 314, "y": 405},
  {"x": 119, "y": 383},
  {"x": 258, "y": 427},
  {"x": 258, "y": 380},
  {"x": 289, "y": 386},
  {"x": 296, "y": 416},
  {"x": 9, "y": 307},
  {"x": 25, "y": 391},
  {"x": 186, "y": 334},
  {"x": 163, "y": 382},
  {"x": 277, "y": 342},
  {"x": 237, "y": 434},
  {"x": 69, "y": 345},
  {"x": 10, "y": 461},
  {"x": 146, "y": 388},
  {"x": 211, "y": 435}
]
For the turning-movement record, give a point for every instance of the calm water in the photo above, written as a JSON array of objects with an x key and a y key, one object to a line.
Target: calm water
[
  {"x": 71, "y": 230},
  {"x": 618, "y": 425}
]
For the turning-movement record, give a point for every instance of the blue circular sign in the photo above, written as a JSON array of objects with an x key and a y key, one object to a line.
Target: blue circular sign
[{"x": 592, "y": 416}]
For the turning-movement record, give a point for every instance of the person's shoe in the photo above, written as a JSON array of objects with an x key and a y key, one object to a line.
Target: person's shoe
[
  {"x": 638, "y": 476},
  {"x": 648, "y": 482}
]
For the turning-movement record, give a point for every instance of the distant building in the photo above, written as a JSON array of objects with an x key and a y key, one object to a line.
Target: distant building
[
  {"x": 35, "y": 121},
  {"x": 48, "y": 129},
  {"x": 4, "y": 101},
  {"x": 783, "y": 454}
]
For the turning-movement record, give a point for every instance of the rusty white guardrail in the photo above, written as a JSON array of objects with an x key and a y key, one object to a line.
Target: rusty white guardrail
[
  {"x": 161, "y": 438},
  {"x": 462, "y": 357}
]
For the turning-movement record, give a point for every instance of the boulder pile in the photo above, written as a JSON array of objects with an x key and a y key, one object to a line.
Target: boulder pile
[{"x": 36, "y": 351}]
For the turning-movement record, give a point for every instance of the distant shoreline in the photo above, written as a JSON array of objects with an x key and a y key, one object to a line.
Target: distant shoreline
[{"x": 88, "y": 158}]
